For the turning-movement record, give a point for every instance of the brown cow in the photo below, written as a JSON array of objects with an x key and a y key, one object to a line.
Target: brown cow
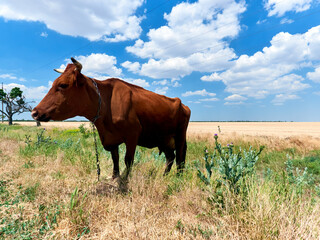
[{"x": 121, "y": 112}]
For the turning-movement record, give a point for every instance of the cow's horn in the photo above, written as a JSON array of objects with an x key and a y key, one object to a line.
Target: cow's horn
[
  {"x": 78, "y": 65},
  {"x": 59, "y": 70}
]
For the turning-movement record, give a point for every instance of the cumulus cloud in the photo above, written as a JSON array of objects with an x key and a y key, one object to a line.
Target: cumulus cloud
[
  {"x": 31, "y": 93},
  {"x": 140, "y": 82},
  {"x": 280, "y": 7},
  {"x": 273, "y": 70},
  {"x": 281, "y": 98},
  {"x": 98, "y": 65},
  {"x": 235, "y": 97},
  {"x": 177, "y": 49},
  {"x": 202, "y": 92},
  {"x": 314, "y": 76},
  {"x": 161, "y": 90},
  {"x": 162, "y": 82},
  {"x": 131, "y": 66},
  {"x": 112, "y": 20},
  {"x": 211, "y": 78}
]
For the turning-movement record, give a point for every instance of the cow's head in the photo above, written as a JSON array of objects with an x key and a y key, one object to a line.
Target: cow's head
[{"x": 65, "y": 98}]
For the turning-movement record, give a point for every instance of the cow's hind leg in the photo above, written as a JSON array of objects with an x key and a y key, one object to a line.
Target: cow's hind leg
[
  {"x": 181, "y": 149},
  {"x": 169, "y": 153},
  {"x": 115, "y": 159}
]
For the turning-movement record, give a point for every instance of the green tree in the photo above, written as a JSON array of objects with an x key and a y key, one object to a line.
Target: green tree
[{"x": 15, "y": 103}]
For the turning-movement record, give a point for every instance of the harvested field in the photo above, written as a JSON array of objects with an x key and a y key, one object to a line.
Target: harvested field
[{"x": 276, "y": 129}]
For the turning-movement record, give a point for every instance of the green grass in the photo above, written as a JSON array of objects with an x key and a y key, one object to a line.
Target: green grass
[
  {"x": 14, "y": 224},
  {"x": 52, "y": 184}
]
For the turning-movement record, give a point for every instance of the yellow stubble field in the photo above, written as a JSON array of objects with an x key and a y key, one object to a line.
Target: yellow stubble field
[
  {"x": 270, "y": 129},
  {"x": 275, "y": 134}
]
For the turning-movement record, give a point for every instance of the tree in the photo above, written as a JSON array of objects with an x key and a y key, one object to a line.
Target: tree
[{"x": 15, "y": 103}]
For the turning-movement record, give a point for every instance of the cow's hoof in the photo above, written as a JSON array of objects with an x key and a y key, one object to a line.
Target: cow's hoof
[{"x": 115, "y": 176}]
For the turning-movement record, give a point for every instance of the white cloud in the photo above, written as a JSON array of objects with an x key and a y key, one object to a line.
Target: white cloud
[
  {"x": 234, "y": 103},
  {"x": 31, "y": 93},
  {"x": 209, "y": 99},
  {"x": 8, "y": 76},
  {"x": 162, "y": 82},
  {"x": 314, "y": 76},
  {"x": 235, "y": 97},
  {"x": 177, "y": 49},
  {"x": 44, "y": 34},
  {"x": 211, "y": 78},
  {"x": 261, "y": 21},
  {"x": 202, "y": 92},
  {"x": 98, "y": 65},
  {"x": 175, "y": 83},
  {"x": 286, "y": 21},
  {"x": 170, "y": 68},
  {"x": 112, "y": 20},
  {"x": 280, "y": 7},
  {"x": 273, "y": 70},
  {"x": 131, "y": 66},
  {"x": 281, "y": 98},
  {"x": 161, "y": 90},
  {"x": 140, "y": 82}
]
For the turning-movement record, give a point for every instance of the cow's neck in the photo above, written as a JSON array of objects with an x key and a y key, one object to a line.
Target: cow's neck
[
  {"x": 103, "y": 122},
  {"x": 93, "y": 108}
]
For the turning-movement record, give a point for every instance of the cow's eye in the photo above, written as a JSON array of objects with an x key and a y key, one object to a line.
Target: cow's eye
[{"x": 63, "y": 86}]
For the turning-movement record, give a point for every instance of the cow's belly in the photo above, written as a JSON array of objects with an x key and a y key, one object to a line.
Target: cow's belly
[{"x": 157, "y": 140}]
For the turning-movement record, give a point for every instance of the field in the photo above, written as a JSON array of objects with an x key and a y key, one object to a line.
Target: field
[{"x": 49, "y": 187}]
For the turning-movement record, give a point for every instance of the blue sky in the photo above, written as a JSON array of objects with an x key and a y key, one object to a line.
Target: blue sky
[{"x": 226, "y": 59}]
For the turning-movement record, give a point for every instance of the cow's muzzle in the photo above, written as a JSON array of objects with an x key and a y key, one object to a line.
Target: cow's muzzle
[{"x": 39, "y": 117}]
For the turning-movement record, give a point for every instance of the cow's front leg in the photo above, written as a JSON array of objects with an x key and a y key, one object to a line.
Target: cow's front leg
[
  {"x": 115, "y": 159},
  {"x": 129, "y": 157}
]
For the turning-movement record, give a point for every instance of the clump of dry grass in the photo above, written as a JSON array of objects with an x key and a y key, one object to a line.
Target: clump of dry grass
[{"x": 149, "y": 205}]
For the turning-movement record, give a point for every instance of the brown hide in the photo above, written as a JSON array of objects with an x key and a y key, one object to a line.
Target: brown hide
[{"x": 129, "y": 114}]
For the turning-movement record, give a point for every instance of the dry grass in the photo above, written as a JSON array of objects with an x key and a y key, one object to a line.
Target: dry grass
[{"x": 151, "y": 206}]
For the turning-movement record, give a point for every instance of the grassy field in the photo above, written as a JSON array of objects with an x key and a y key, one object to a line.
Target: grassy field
[{"x": 49, "y": 187}]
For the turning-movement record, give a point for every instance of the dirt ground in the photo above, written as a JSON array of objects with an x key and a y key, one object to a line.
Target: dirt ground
[{"x": 269, "y": 129}]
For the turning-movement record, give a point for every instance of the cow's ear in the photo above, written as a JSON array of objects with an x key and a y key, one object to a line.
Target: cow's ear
[{"x": 80, "y": 79}]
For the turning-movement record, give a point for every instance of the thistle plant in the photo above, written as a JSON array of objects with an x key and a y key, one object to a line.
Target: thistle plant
[
  {"x": 297, "y": 177},
  {"x": 41, "y": 139},
  {"x": 231, "y": 166},
  {"x": 209, "y": 164}
]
